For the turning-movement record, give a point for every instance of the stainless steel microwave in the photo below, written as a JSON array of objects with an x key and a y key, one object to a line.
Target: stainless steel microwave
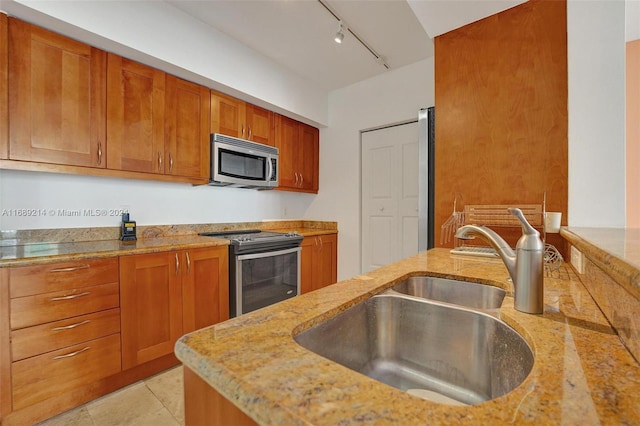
[{"x": 241, "y": 163}]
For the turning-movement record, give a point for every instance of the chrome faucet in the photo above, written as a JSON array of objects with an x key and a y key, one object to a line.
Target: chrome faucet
[{"x": 525, "y": 266}]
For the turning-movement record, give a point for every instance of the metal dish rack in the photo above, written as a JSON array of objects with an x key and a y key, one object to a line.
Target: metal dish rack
[{"x": 497, "y": 215}]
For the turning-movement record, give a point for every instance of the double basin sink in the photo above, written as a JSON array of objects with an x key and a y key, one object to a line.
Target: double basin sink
[{"x": 434, "y": 338}]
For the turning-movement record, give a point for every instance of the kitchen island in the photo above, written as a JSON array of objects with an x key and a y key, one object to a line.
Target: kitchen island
[{"x": 582, "y": 373}]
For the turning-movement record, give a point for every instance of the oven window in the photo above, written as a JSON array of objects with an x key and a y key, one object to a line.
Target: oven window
[
  {"x": 240, "y": 165},
  {"x": 268, "y": 280}
]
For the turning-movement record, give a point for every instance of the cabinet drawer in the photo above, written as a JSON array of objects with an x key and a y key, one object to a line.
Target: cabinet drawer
[
  {"x": 41, "y": 377},
  {"x": 33, "y": 310},
  {"x": 36, "y": 340},
  {"x": 31, "y": 280}
]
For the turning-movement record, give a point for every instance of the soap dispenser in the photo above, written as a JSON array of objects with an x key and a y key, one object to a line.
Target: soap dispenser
[{"x": 128, "y": 228}]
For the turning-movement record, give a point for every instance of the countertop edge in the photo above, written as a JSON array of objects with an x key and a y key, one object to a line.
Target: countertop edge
[{"x": 621, "y": 271}]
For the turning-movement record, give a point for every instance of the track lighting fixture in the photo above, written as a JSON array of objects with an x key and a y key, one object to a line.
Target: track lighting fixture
[{"x": 340, "y": 34}]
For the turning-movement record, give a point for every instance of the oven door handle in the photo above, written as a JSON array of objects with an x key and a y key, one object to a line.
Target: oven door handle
[{"x": 267, "y": 254}]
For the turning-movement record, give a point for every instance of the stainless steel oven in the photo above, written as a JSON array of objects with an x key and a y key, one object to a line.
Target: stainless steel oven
[{"x": 264, "y": 268}]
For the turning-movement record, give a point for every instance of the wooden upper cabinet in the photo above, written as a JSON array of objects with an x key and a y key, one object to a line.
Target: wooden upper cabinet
[
  {"x": 233, "y": 117},
  {"x": 4, "y": 111},
  {"x": 298, "y": 146},
  {"x": 135, "y": 116},
  {"x": 227, "y": 115},
  {"x": 287, "y": 141},
  {"x": 261, "y": 125},
  {"x": 308, "y": 160},
  {"x": 187, "y": 132},
  {"x": 57, "y": 98}
]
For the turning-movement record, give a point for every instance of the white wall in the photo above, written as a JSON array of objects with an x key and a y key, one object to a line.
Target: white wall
[
  {"x": 386, "y": 99},
  {"x": 596, "y": 62},
  {"x": 632, "y": 14},
  {"x": 158, "y": 34},
  {"x": 70, "y": 201}
]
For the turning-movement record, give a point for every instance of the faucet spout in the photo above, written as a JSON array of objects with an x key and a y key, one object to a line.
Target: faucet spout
[
  {"x": 506, "y": 253},
  {"x": 525, "y": 265}
]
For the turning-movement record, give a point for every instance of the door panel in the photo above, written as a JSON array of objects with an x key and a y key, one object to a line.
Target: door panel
[
  {"x": 261, "y": 125},
  {"x": 135, "y": 116},
  {"x": 187, "y": 134},
  {"x": 205, "y": 287},
  {"x": 151, "y": 306},
  {"x": 227, "y": 115},
  {"x": 57, "y": 98},
  {"x": 389, "y": 195}
]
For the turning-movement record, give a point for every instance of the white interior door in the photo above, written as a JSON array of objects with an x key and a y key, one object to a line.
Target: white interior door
[{"x": 389, "y": 202}]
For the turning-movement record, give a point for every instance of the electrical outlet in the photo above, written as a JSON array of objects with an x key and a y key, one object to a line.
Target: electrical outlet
[{"x": 577, "y": 260}]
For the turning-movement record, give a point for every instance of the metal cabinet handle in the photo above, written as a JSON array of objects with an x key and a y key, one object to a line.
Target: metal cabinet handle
[
  {"x": 71, "y": 268},
  {"x": 69, "y": 327},
  {"x": 69, "y": 297},
  {"x": 301, "y": 180},
  {"x": 99, "y": 153},
  {"x": 177, "y": 264},
  {"x": 296, "y": 173},
  {"x": 243, "y": 130},
  {"x": 249, "y": 132},
  {"x": 159, "y": 161},
  {"x": 188, "y": 263},
  {"x": 170, "y": 162},
  {"x": 69, "y": 355}
]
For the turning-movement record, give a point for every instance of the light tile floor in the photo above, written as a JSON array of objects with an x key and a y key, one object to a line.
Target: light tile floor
[{"x": 155, "y": 401}]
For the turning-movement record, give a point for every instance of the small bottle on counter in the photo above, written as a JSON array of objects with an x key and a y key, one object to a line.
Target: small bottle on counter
[{"x": 128, "y": 228}]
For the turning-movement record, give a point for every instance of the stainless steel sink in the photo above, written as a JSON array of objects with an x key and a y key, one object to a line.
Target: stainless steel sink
[
  {"x": 463, "y": 293},
  {"x": 453, "y": 354}
]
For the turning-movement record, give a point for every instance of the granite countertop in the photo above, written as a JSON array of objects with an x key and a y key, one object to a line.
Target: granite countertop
[
  {"x": 615, "y": 250},
  {"x": 39, "y": 253},
  {"x": 61, "y": 245},
  {"x": 582, "y": 373}
]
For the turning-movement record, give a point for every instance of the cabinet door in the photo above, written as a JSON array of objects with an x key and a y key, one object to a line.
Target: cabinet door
[
  {"x": 319, "y": 262},
  {"x": 150, "y": 305},
  {"x": 261, "y": 125},
  {"x": 187, "y": 119},
  {"x": 228, "y": 115},
  {"x": 287, "y": 135},
  {"x": 56, "y": 98},
  {"x": 308, "y": 158},
  {"x": 205, "y": 287},
  {"x": 326, "y": 265},
  {"x": 135, "y": 116},
  {"x": 4, "y": 108},
  {"x": 306, "y": 264}
]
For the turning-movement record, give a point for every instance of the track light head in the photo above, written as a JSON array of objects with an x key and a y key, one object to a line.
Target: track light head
[{"x": 340, "y": 34}]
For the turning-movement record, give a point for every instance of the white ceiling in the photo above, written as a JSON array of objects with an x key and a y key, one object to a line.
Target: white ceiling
[{"x": 298, "y": 34}]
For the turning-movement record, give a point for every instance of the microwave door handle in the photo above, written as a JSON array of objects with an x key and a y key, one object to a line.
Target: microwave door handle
[{"x": 270, "y": 172}]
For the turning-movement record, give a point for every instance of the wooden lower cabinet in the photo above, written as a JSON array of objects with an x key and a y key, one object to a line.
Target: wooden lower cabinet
[
  {"x": 42, "y": 377},
  {"x": 73, "y": 331},
  {"x": 164, "y": 295},
  {"x": 63, "y": 334},
  {"x": 319, "y": 264},
  {"x": 204, "y": 406}
]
